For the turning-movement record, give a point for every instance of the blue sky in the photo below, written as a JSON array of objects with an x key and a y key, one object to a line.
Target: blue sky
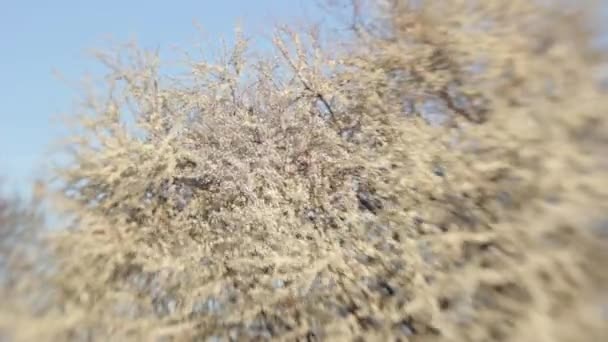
[{"x": 38, "y": 37}]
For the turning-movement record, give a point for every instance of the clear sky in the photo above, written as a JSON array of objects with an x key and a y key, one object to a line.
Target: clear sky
[{"x": 38, "y": 37}]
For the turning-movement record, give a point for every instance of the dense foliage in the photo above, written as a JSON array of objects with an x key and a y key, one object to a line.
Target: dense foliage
[{"x": 438, "y": 174}]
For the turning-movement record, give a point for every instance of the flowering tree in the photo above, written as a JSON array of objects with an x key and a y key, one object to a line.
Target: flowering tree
[{"x": 437, "y": 175}]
